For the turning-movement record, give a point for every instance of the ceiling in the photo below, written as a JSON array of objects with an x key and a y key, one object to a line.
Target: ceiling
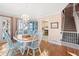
[{"x": 31, "y": 9}]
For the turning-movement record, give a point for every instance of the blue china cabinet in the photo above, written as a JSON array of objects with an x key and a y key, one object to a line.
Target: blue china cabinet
[{"x": 32, "y": 26}]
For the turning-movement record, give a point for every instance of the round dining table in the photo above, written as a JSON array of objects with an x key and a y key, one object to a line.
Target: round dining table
[{"x": 25, "y": 39}]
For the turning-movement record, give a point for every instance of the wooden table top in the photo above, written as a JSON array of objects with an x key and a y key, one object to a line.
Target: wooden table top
[
  {"x": 3, "y": 48},
  {"x": 2, "y": 43},
  {"x": 26, "y": 38}
]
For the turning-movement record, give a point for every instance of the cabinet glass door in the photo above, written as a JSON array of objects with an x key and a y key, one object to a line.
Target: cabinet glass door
[{"x": 33, "y": 26}]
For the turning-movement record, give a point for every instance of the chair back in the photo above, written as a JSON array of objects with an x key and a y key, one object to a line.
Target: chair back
[
  {"x": 39, "y": 37},
  {"x": 7, "y": 38},
  {"x": 36, "y": 40}
]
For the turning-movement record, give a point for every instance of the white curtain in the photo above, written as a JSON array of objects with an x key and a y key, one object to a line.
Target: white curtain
[{"x": 4, "y": 26}]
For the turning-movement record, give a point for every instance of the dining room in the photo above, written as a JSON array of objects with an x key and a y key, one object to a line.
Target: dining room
[{"x": 33, "y": 29}]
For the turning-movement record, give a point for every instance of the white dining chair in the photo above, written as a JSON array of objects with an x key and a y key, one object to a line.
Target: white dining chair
[
  {"x": 10, "y": 46},
  {"x": 21, "y": 46},
  {"x": 35, "y": 44}
]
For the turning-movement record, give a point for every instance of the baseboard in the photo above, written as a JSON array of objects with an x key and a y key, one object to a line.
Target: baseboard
[
  {"x": 55, "y": 42},
  {"x": 71, "y": 45}
]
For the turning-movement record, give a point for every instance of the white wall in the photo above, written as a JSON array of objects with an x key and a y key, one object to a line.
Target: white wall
[
  {"x": 54, "y": 34},
  {"x": 76, "y": 18}
]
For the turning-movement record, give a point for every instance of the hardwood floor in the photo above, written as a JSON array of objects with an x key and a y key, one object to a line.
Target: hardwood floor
[
  {"x": 58, "y": 50},
  {"x": 48, "y": 49},
  {"x": 55, "y": 50}
]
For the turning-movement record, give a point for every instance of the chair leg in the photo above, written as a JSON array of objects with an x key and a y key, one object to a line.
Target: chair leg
[
  {"x": 39, "y": 50},
  {"x": 23, "y": 51},
  {"x": 33, "y": 52},
  {"x": 7, "y": 52},
  {"x": 10, "y": 52},
  {"x": 27, "y": 51},
  {"x": 14, "y": 53}
]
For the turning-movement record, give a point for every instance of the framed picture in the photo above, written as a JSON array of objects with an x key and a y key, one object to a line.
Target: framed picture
[{"x": 54, "y": 25}]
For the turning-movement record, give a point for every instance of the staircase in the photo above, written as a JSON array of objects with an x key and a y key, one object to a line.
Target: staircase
[
  {"x": 69, "y": 24},
  {"x": 69, "y": 20}
]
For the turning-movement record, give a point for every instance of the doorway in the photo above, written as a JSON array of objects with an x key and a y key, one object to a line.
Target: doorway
[{"x": 45, "y": 30}]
